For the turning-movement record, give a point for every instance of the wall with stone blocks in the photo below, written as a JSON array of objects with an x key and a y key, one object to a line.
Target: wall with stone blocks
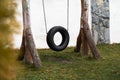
[{"x": 100, "y": 21}]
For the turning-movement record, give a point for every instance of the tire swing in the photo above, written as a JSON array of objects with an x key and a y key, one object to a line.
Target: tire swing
[
  {"x": 50, "y": 38},
  {"x": 51, "y": 33}
]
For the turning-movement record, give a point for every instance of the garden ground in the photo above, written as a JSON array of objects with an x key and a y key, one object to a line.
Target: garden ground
[{"x": 68, "y": 65}]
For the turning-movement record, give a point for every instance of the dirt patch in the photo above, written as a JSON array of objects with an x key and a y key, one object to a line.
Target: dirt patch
[{"x": 58, "y": 59}]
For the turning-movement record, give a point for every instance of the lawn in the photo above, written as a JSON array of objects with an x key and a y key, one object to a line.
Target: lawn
[{"x": 68, "y": 65}]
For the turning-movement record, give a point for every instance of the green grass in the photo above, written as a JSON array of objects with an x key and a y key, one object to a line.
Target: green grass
[{"x": 68, "y": 65}]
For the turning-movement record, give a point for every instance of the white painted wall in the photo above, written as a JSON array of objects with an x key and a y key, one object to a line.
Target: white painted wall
[{"x": 56, "y": 15}]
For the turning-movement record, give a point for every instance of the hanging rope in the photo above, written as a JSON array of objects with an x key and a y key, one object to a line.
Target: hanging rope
[
  {"x": 44, "y": 13},
  {"x": 67, "y": 15}
]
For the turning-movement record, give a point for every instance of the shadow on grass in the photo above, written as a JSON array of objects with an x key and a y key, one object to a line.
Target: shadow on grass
[{"x": 56, "y": 58}]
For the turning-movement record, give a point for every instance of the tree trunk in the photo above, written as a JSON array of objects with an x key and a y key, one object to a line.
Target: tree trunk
[
  {"x": 84, "y": 36},
  {"x": 28, "y": 49},
  {"x": 22, "y": 49},
  {"x": 81, "y": 40},
  {"x": 90, "y": 41}
]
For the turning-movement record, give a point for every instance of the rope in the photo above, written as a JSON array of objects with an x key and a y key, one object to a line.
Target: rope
[
  {"x": 67, "y": 15},
  {"x": 44, "y": 13}
]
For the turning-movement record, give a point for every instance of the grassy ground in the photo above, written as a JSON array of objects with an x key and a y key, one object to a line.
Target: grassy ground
[{"x": 67, "y": 65}]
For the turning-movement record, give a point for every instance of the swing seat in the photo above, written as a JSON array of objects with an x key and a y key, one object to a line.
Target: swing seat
[{"x": 50, "y": 38}]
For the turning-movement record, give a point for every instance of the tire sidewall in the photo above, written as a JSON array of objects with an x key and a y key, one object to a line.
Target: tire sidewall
[{"x": 50, "y": 38}]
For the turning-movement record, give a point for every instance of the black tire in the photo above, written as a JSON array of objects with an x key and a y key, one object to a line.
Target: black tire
[{"x": 65, "y": 38}]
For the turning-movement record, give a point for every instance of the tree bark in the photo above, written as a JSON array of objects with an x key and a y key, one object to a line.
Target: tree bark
[
  {"x": 90, "y": 41},
  {"x": 22, "y": 49},
  {"x": 84, "y": 36},
  {"x": 81, "y": 40},
  {"x": 28, "y": 48}
]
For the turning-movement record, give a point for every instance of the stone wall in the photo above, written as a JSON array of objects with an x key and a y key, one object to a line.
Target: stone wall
[{"x": 100, "y": 21}]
